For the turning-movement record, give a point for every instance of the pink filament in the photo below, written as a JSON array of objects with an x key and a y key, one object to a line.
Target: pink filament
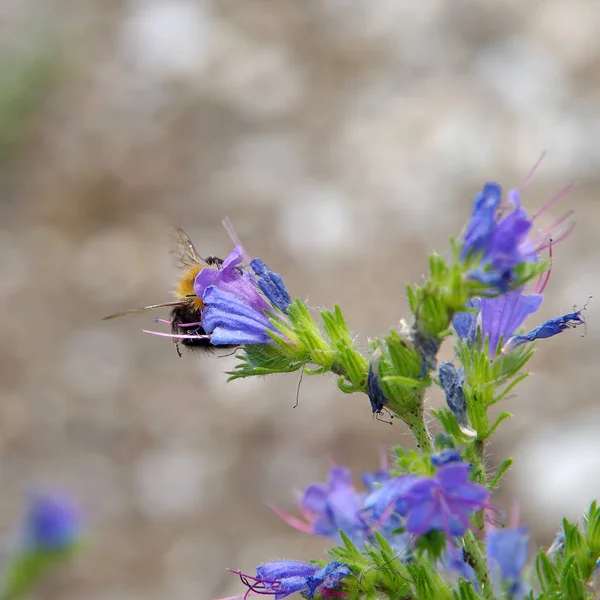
[
  {"x": 552, "y": 200},
  {"x": 543, "y": 279},
  {"x": 157, "y": 320},
  {"x": 531, "y": 173},
  {"x": 292, "y": 521},
  {"x": 233, "y": 236},
  {"x": 176, "y": 336}
]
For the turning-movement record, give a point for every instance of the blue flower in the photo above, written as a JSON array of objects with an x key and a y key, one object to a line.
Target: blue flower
[
  {"x": 334, "y": 507},
  {"x": 443, "y": 502},
  {"x": 548, "y": 329},
  {"x": 502, "y": 316},
  {"x": 234, "y": 310},
  {"x": 498, "y": 241},
  {"x": 283, "y": 578},
  {"x": 499, "y": 235},
  {"x": 329, "y": 508},
  {"x": 507, "y": 553},
  {"x": 52, "y": 522},
  {"x": 337, "y": 506}
]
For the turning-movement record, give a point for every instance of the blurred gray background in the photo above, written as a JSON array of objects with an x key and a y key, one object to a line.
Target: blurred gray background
[{"x": 345, "y": 140}]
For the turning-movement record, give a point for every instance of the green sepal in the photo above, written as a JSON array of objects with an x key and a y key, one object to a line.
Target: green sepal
[
  {"x": 502, "y": 469},
  {"x": 262, "y": 359},
  {"x": 354, "y": 365},
  {"x": 488, "y": 434},
  {"x": 465, "y": 591},
  {"x": 309, "y": 335},
  {"x": 400, "y": 368}
]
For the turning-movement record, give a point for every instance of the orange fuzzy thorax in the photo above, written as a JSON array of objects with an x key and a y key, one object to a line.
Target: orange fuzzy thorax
[{"x": 184, "y": 288}]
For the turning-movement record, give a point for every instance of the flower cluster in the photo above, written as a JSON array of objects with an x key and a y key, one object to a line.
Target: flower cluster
[{"x": 426, "y": 526}]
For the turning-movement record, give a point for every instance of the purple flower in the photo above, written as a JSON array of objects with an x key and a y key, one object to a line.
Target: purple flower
[
  {"x": 234, "y": 310},
  {"x": 337, "y": 506},
  {"x": 499, "y": 234},
  {"x": 507, "y": 553},
  {"x": 329, "y": 508},
  {"x": 443, "y": 502},
  {"x": 52, "y": 522},
  {"x": 283, "y": 578},
  {"x": 502, "y": 316}
]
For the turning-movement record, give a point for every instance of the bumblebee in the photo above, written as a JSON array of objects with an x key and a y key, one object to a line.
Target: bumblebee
[{"x": 186, "y": 315}]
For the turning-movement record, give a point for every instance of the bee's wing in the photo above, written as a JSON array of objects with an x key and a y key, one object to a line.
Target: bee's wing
[
  {"x": 185, "y": 250},
  {"x": 141, "y": 309}
]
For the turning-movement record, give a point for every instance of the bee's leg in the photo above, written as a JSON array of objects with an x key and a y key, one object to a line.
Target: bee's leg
[{"x": 177, "y": 348}]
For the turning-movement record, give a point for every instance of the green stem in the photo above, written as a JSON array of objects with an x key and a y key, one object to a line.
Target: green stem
[
  {"x": 478, "y": 562},
  {"x": 416, "y": 421}
]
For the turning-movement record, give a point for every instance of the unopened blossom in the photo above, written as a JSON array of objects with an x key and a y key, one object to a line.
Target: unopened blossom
[
  {"x": 283, "y": 578},
  {"x": 234, "y": 309},
  {"x": 445, "y": 457},
  {"x": 452, "y": 382}
]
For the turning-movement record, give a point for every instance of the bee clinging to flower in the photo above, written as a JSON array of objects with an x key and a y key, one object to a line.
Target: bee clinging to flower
[{"x": 220, "y": 302}]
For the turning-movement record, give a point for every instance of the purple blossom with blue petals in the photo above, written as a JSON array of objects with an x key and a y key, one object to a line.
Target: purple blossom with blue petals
[
  {"x": 283, "y": 578},
  {"x": 52, "y": 522},
  {"x": 337, "y": 506},
  {"x": 502, "y": 316},
  {"x": 235, "y": 312},
  {"x": 499, "y": 234},
  {"x": 443, "y": 502},
  {"x": 507, "y": 553}
]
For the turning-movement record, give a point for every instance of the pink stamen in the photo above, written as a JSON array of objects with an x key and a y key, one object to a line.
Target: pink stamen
[
  {"x": 543, "y": 279},
  {"x": 176, "y": 336},
  {"x": 531, "y": 173},
  {"x": 291, "y": 520},
  {"x": 233, "y": 236},
  {"x": 157, "y": 320},
  {"x": 189, "y": 324},
  {"x": 384, "y": 464},
  {"x": 554, "y": 199}
]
